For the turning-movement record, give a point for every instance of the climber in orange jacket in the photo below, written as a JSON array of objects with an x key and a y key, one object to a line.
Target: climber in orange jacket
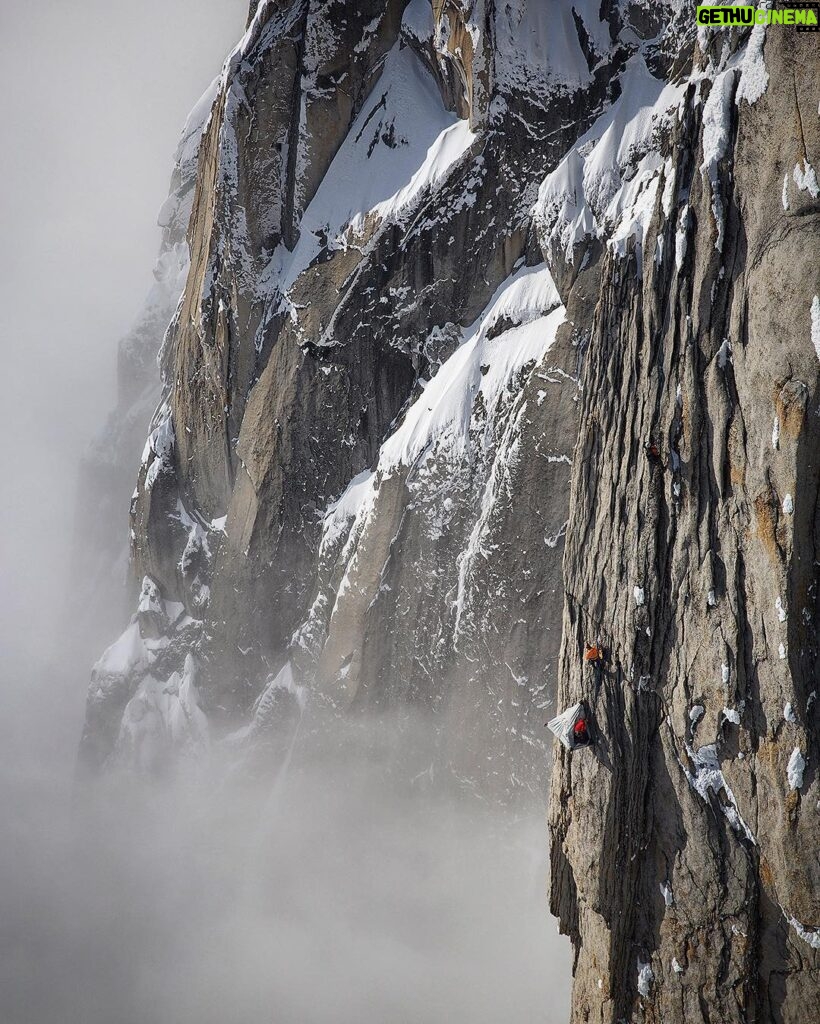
[{"x": 593, "y": 653}]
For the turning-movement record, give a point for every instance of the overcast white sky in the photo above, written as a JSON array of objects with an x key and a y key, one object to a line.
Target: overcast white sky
[{"x": 93, "y": 95}]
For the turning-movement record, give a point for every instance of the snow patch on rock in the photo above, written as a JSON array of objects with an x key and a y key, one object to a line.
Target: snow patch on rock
[
  {"x": 530, "y": 299},
  {"x": 128, "y": 654},
  {"x": 401, "y": 145},
  {"x": 645, "y": 978},
  {"x": 754, "y": 78},
  {"x": 815, "y": 324},
  {"x": 163, "y": 718},
  {"x": 809, "y": 935},
  {"x": 806, "y": 179},
  {"x": 268, "y": 707},
  {"x": 717, "y": 118},
  {"x": 707, "y": 778},
  {"x": 159, "y": 448},
  {"x": 795, "y": 769},
  {"x": 468, "y": 413},
  {"x": 681, "y": 237},
  {"x": 724, "y": 355},
  {"x": 418, "y": 20},
  {"x": 540, "y": 54},
  {"x": 606, "y": 185}
]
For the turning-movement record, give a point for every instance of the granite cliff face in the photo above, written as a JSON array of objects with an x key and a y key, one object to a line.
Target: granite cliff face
[
  {"x": 357, "y": 477},
  {"x": 685, "y": 846},
  {"x": 107, "y": 467},
  {"x": 451, "y": 265}
]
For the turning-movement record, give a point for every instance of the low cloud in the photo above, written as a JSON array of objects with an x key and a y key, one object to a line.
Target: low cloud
[{"x": 336, "y": 889}]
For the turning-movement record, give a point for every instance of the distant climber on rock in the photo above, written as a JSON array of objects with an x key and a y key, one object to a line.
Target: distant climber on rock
[
  {"x": 594, "y": 654},
  {"x": 653, "y": 450}
]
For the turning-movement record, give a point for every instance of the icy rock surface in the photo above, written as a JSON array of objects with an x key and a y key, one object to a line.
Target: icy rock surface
[
  {"x": 449, "y": 272},
  {"x": 702, "y": 779},
  {"x": 371, "y": 381}
]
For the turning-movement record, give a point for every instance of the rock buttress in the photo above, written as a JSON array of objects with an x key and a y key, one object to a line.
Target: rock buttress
[{"x": 685, "y": 845}]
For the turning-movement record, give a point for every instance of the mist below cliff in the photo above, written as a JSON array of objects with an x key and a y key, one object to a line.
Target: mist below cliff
[{"x": 339, "y": 890}]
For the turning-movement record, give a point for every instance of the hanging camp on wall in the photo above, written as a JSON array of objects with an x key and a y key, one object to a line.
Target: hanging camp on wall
[{"x": 572, "y": 727}]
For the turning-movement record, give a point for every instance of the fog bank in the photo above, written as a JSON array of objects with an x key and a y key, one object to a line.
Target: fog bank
[{"x": 340, "y": 892}]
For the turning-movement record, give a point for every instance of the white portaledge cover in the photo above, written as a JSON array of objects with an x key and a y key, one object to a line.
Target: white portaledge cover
[{"x": 562, "y": 725}]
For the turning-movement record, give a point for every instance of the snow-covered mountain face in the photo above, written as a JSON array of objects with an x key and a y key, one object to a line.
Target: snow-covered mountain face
[
  {"x": 357, "y": 477},
  {"x": 428, "y": 244}
]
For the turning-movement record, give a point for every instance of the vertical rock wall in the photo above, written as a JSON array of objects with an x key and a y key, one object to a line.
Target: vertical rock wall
[{"x": 685, "y": 844}]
